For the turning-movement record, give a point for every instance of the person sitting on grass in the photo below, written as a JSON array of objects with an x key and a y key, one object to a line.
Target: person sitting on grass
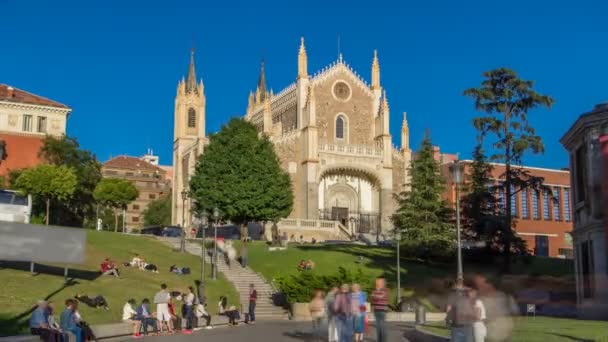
[
  {"x": 145, "y": 316},
  {"x": 68, "y": 320},
  {"x": 302, "y": 265},
  {"x": 309, "y": 265},
  {"x": 179, "y": 270},
  {"x": 231, "y": 312},
  {"x": 109, "y": 268},
  {"x": 136, "y": 261},
  {"x": 40, "y": 326},
  {"x": 144, "y": 266},
  {"x": 95, "y": 302},
  {"x": 129, "y": 315}
]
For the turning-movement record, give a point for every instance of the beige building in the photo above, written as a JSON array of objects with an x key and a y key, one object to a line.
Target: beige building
[
  {"x": 149, "y": 180},
  {"x": 331, "y": 132},
  {"x": 188, "y": 140}
]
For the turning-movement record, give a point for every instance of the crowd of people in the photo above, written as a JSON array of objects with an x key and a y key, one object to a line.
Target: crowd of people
[{"x": 343, "y": 310}]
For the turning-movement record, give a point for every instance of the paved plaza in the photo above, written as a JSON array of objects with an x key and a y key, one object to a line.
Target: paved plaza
[{"x": 269, "y": 331}]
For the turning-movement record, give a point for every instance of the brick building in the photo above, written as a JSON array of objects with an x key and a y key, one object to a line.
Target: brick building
[
  {"x": 543, "y": 219},
  {"x": 25, "y": 120},
  {"x": 150, "y": 180}
]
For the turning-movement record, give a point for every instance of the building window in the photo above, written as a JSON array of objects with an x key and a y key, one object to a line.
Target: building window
[
  {"x": 567, "y": 212},
  {"x": 152, "y": 196},
  {"x": 546, "y": 212},
  {"x": 340, "y": 127},
  {"x": 191, "y": 118},
  {"x": 580, "y": 175},
  {"x": 586, "y": 260},
  {"x": 42, "y": 124},
  {"x": 525, "y": 211},
  {"x": 135, "y": 219},
  {"x": 514, "y": 211},
  {"x": 27, "y": 123},
  {"x": 557, "y": 209},
  {"x": 135, "y": 206},
  {"x": 535, "y": 207},
  {"x": 501, "y": 198}
]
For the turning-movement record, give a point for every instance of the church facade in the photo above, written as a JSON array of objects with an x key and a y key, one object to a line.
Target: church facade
[{"x": 331, "y": 131}]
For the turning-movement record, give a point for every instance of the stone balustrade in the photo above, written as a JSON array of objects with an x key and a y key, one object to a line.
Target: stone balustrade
[{"x": 354, "y": 150}]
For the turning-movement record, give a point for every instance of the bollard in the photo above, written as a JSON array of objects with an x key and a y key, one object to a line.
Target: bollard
[{"x": 420, "y": 315}]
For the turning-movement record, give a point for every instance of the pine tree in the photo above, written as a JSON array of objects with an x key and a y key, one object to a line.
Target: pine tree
[{"x": 423, "y": 217}]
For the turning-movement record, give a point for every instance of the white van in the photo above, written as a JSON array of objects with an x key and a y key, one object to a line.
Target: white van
[{"x": 15, "y": 207}]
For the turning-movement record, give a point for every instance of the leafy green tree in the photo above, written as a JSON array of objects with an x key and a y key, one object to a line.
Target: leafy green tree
[
  {"x": 423, "y": 217},
  {"x": 48, "y": 183},
  {"x": 115, "y": 193},
  {"x": 240, "y": 174},
  {"x": 506, "y": 100},
  {"x": 158, "y": 212},
  {"x": 66, "y": 151}
]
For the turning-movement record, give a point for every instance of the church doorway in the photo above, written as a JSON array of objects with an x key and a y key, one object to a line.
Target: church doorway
[{"x": 340, "y": 214}]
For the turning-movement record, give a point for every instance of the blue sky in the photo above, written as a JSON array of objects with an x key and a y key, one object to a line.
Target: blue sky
[{"x": 117, "y": 63}]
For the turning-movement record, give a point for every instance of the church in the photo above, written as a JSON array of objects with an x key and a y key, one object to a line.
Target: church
[{"x": 331, "y": 132}]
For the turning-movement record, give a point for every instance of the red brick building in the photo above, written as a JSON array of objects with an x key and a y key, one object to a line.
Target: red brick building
[
  {"x": 25, "y": 120},
  {"x": 543, "y": 219}
]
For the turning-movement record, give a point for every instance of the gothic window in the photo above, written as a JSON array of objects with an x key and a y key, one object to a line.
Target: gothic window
[
  {"x": 340, "y": 127},
  {"x": 191, "y": 118}
]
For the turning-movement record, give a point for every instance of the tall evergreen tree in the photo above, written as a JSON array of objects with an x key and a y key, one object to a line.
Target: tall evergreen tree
[
  {"x": 506, "y": 99},
  {"x": 241, "y": 175},
  {"x": 423, "y": 217}
]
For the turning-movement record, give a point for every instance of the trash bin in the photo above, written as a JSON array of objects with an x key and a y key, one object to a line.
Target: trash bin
[{"x": 420, "y": 314}]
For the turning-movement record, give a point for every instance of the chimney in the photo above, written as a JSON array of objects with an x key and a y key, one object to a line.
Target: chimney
[{"x": 10, "y": 91}]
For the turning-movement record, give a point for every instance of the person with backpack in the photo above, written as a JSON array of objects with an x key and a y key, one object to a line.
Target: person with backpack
[{"x": 460, "y": 313}]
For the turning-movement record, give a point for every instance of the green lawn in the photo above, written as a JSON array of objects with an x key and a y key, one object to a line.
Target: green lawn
[
  {"x": 20, "y": 289},
  {"x": 545, "y": 329}
]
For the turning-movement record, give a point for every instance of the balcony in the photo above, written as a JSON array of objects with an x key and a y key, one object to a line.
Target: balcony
[{"x": 351, "y": 150}]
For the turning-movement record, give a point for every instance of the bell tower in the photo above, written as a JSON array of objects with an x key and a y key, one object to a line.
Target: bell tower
[{"x": 188, "y": 140}]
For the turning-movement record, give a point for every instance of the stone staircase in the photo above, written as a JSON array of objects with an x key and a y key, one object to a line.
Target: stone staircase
[{"x": 241, "y": 278}]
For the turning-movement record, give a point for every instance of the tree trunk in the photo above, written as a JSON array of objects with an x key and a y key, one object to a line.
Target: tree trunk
[
  {"x": 48, "y": 210},
  {"x": 508, "y": 194},
  {"x": 115, "y": 221}
]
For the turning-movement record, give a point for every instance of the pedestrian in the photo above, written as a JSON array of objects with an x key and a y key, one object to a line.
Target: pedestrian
[
  {"x": 343, "y": 310},
  {"x": 460, "y": 314},
  {"x": 253, "y": 298},
  {"x": 189, "y": 310},
  {"x": 332, "y": 329},
  {"x": 317, "y": 312},
  {"x": 68, "y": 320},
  {"x": 499, "y": 308},
  {"x": 144, "y": 314},
  {"x": 358, "y": 300},
  {"x": 161, "y": 299},
  {"x": 244, "y": 253},
  {"x": 380, "y": 307},
  {"x": 479, "y": 326}
]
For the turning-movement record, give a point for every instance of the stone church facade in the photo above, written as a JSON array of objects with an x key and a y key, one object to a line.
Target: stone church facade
[{"x": 331, "y": 132}]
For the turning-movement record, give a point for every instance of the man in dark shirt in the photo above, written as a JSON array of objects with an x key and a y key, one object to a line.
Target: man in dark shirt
[
  {"x": 380, "y": 306},
  {"x": 253, "y": 298}
]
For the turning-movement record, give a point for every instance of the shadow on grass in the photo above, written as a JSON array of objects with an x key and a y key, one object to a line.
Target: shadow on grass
[
  {"x": 573, "y": 338},
  {"x": 19, "y": 324},
  {"x": 50, "y": 270}
]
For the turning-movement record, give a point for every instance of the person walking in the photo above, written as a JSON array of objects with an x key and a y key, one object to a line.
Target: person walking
[
  {"x": 460, "y": 314},
  {"x": 244, "y": 253},
  {"x": 163, "y": 315},
  {"x": 332, "y": 329},
  {"x": 253, "y": 298},
  {"x": 317, "y": 312},
  {"x": 479, "y": 327},
  {"x": 343, "y": 308},
  {"x": 358, "y": 300},
  {"x": 189, "y": 310},
  {"x": 380, "y": 307}
]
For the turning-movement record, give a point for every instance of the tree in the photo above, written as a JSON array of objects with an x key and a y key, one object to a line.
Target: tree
[
  {"x": 506, "y": 99},
  {"x": 48, "y": 183},
  {"x": 423, "y": 217},
  {"x": 240, "y": 174},
  {"x": 158, "y": 212},
  {"x": 115, "y": 193},
  {"x": 66, "y": 151}
]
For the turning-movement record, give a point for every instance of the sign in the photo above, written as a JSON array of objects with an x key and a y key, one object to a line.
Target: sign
[{"x": 38, "y": 243}]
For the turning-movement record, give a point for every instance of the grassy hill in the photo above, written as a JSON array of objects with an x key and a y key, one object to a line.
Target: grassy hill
[{"x": 21, "y": 289}]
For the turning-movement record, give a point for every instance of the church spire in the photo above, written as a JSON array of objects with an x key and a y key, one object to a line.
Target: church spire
[
  {"x": 261, "y": 91},
  {"x": 405, "y": 134},
  {"x": 191, "y": 79},
  {"x": 302, "y": 61},
  {"x": 375, "y": 71}
]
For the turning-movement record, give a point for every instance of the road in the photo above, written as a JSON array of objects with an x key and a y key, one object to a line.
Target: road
[{"x": 268, "y": 331}]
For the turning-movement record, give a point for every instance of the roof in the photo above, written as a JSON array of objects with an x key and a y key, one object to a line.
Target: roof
[
  {"x": 133, "y": 163},
  {"x": 22, "y": 96}
]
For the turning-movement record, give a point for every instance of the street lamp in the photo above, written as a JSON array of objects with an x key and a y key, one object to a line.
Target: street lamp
[
  {"x": 216, "y": 217},
  {"x": 182, "y": 245},
  {"x": 398, "y": 240},
  {"x": 457, "y": 172},
  {"x": 204, "y": 220}
]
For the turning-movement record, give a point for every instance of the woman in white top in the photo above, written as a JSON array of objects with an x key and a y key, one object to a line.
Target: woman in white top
[
  {"x": 129, "y": 316},
  {"x": 479, "y": 327}
]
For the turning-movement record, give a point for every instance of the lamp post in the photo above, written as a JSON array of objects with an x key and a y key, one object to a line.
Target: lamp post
[
  {"x": 398, "y": 240},
  {"x": 204, "y": 218},
  {"x": 216, "y": 216},
  {"x": 457, "y": 171},
  {"x": 182, "y": 244}
]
